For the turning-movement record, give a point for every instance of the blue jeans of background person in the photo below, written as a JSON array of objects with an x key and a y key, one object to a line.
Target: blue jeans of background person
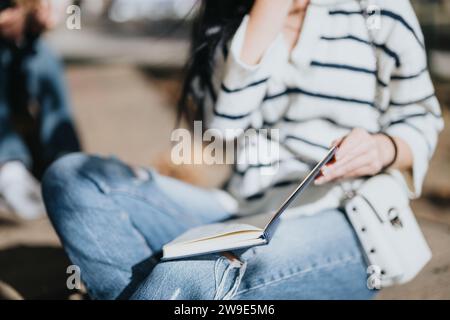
[
  {"x": 32, "y": 77},
  {"x": 113, "y": 221}
]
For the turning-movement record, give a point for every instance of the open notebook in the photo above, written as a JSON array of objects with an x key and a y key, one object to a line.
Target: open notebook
[{"x": 228, "y": 236}]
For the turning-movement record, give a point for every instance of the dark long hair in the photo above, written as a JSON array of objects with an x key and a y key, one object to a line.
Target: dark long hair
[{"x": 216, "y": 23}]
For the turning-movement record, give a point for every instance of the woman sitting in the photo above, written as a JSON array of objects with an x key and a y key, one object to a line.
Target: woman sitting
[{"x": 319, "y": 74}]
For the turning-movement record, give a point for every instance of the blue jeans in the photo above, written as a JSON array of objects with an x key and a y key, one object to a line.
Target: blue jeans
[
  {"x": 32, "y": 76},
  {"x": 113, "y": 221}
]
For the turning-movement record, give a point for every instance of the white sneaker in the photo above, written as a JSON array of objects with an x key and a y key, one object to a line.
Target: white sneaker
[{"x": 21, "y": 191}]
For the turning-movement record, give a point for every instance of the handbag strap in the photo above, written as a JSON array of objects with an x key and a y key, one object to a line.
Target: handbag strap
[{"x": 367, "y": 12}]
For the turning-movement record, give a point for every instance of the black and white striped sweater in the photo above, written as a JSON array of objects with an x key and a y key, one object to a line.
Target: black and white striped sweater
[{"x": 327, "y": 86}]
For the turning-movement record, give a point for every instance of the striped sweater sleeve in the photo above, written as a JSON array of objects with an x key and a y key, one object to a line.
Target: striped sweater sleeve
[
  {"x": 238, "y": 89},
  {"x": 414, "y": 113}
]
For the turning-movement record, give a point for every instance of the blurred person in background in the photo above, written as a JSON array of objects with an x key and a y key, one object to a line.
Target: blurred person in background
[{"x": 35, "y": 121}]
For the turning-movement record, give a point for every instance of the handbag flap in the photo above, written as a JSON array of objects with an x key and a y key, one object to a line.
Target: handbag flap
[{"x": 385, "y": 195}]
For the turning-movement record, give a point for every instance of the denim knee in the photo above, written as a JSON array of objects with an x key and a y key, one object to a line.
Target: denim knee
[
  {"x": 63, "y": 181},
  {"x": 78, "y": 181}
]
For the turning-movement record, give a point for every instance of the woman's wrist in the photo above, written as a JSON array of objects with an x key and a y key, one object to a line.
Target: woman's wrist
[{"x": 387, "y": 150}]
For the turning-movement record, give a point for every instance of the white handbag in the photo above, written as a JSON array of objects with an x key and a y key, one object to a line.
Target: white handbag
[{"x": 387, "y": 229}]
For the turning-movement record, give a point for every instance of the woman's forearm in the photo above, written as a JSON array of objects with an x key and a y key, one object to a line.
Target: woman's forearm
[{"x": 266, "y": 22}]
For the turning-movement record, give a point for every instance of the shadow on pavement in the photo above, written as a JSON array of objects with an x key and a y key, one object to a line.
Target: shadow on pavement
[{"x": 37, "y": 272}]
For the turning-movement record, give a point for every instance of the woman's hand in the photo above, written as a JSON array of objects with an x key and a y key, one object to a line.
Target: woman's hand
[{"x": 363, "y": 154}]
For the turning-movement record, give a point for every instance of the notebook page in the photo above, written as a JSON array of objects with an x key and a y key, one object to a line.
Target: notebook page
[{"x": 212, "y": 231}]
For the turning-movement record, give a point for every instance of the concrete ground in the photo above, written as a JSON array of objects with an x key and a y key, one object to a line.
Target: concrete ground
[{"x": 128, "y": 112}]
